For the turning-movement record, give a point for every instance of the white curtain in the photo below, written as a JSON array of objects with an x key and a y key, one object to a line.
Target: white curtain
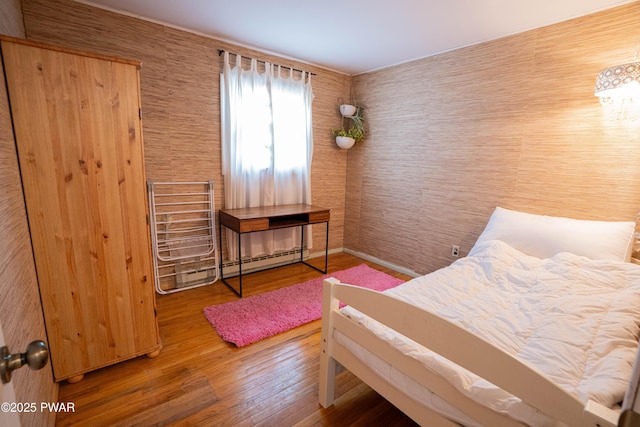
[{"x": 267, "y": 146}]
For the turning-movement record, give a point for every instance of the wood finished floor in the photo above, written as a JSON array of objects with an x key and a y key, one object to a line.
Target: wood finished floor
[{"x": 200, "y": 380}]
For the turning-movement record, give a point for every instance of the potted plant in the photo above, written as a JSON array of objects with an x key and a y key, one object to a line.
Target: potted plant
[{"x": 345, "y": 138}]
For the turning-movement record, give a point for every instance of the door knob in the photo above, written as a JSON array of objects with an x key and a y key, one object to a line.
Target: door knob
[{"x": 36, "y": 357}]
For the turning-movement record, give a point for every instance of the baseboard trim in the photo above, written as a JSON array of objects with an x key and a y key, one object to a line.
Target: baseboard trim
[
  {"x": 383, "y": 263},
  {"x": 330, "y": 252}
]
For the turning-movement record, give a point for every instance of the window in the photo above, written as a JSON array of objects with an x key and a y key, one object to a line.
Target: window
[{"x": 267, "y": 142}]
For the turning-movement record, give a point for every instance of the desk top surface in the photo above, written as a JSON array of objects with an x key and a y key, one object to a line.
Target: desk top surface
[{"x": 272, "y": 211}]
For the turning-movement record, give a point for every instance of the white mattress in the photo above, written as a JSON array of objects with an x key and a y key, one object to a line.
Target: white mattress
[{"x": 575, "y": 320}]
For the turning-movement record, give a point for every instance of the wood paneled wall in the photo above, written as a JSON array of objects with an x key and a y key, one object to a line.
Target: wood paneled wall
[
  {"x": 180, "y": 97},
  {"x": 511, "y": 122},
  {"x": 20, "y": 309}
]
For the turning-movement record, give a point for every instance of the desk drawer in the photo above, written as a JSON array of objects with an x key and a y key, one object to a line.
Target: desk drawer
[
  {"x": 318, "y": 217},
  {"x": 256, "y": 224},
  {"x": 240, "y": 225}
]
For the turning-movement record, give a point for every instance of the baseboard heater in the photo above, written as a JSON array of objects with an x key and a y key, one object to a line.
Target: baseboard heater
[{"x": 250, "y": 265}]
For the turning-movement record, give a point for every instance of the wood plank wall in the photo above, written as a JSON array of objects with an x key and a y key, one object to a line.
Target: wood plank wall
[
  {"x": 20, "y": 310},
  {"x": 510, "y": 122},
  {"x": 180, "y": 97}
]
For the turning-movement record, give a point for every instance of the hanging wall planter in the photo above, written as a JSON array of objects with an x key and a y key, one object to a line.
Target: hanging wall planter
[
  {"x": 345, "y": 142},
  {"x": 345, "y": 138},
  {"x": 347, "y": 110}
]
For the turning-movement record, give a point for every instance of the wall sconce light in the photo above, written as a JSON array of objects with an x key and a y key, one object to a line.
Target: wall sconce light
[
  {"x": 621, "y": 81},
  {"x": 619, "y": 90}
]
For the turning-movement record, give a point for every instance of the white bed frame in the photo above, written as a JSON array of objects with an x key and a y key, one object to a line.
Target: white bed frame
[{"x": 453, "y": 343}]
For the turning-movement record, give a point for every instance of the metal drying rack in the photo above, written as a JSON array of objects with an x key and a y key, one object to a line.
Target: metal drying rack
[{"x": 183, "y": 235}]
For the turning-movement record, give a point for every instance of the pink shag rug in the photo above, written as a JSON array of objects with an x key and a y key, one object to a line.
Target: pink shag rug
[{"x": 260, "y": 316}]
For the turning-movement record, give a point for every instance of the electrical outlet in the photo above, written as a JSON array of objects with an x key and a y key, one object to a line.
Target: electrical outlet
[{"x": 455, "y": 250}]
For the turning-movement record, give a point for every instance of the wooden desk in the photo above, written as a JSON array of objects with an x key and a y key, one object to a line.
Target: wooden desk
[{"x": 250, "y": 220}]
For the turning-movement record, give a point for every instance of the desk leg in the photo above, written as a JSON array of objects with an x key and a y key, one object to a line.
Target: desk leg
[
  {"x": 239, "y": 293},
  {"x": 326, "y": 252},
  {"x": 240, "y": 262},
  {"x": 221, "y": 261},
  {"x": 302, "y": 243}
]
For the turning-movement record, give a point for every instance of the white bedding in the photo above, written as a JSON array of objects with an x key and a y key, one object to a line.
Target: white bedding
[{"x": 575, "y": 320}]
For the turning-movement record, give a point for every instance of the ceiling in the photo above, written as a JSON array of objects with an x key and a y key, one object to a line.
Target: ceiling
[{"x": 356, "y": 36}]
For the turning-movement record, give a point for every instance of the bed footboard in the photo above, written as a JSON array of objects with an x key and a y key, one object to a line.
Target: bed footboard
[{"x": 451, "y": 342}]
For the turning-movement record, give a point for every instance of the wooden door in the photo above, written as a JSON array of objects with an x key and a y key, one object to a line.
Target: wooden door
[
  {"x": 78, "y": 133},
  {"x": 20, "y": 307}
]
